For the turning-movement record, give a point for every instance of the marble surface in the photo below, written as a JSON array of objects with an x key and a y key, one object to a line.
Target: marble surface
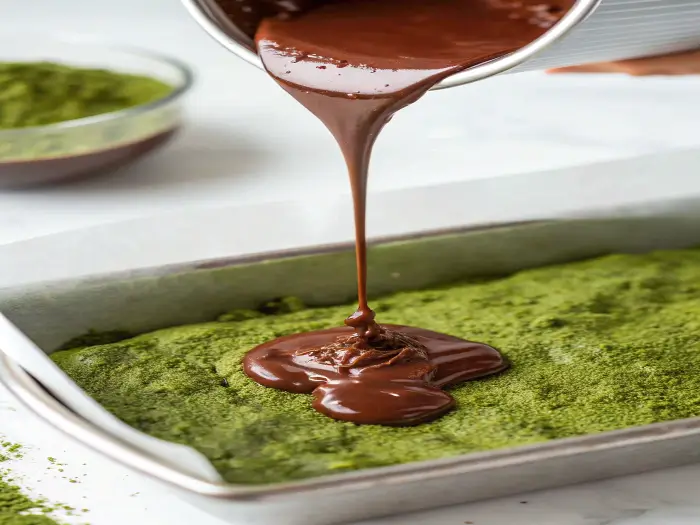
[{"x": 246, "y": 142}]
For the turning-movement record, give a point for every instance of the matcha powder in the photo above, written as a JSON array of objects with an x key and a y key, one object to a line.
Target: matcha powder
[
  {"x": 15, "y": 507},
  {"x": 597, "y": 345},
  {"x": 36, "y": 94}
]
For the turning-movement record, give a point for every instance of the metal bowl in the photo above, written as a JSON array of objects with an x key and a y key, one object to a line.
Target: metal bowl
[
  {"x": 214, "y": 21},
  {"x": 591, "y": 31},
  {"x": 97, "y": 144}
]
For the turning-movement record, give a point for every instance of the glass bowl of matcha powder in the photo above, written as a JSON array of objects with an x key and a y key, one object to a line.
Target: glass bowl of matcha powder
[{"x": 70, "y": 110}]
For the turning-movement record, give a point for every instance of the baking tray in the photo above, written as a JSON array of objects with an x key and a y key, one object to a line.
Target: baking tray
[{"x": 153, "y": 298}]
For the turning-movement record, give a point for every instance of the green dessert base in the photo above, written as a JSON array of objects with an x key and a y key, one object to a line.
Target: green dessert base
[{"x": 597, "y": 345}]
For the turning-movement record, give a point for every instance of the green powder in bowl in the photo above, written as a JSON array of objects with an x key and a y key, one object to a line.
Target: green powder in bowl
[
  {"x": 42, "y": 93},
  {"x": 72, "y": 110}
]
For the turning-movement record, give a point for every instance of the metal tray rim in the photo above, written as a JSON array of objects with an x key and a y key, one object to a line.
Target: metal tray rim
[{"x": 251, "y": 258}]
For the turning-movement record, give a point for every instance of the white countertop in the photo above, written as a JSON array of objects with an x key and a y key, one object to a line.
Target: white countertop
[{"x": 247, "y": 142}]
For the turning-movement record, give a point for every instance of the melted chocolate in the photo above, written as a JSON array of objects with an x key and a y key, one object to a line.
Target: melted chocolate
[
  {"x": 353, "y": 64},
  {"x": 396, "y": 382}
]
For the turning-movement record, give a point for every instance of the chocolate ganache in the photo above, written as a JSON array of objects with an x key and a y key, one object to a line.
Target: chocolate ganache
[{"x": 353, "y": 64}]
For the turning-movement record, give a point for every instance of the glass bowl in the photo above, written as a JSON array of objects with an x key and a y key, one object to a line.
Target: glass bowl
[{"x": 98, "y": 144}]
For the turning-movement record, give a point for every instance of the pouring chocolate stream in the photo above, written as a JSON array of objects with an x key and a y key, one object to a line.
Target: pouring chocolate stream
[{"x": 354, "y": 64}]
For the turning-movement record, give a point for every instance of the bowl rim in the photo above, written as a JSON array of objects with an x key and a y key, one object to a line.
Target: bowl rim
[{"x": 188, "y": 79}]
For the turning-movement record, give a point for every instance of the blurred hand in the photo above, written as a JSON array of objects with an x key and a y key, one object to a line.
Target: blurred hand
[{"x": 687, "y": 63}]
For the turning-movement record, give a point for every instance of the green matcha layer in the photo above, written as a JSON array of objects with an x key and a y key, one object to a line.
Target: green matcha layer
[{"x": 596, "y": 345}]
